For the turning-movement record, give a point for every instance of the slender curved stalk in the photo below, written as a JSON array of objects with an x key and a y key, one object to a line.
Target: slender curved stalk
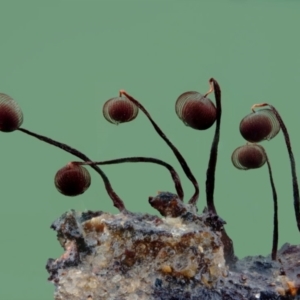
[
  {"x": 275, "y": 218},
  {"x": 210, "y": 173},
  {"x": 211, "y": 170},
  {"x": 181, "y": 160},
  {"x": 118, "y": 203},
  {"x": 292, "y": 160},
  {"x": 137, "y": 159}
]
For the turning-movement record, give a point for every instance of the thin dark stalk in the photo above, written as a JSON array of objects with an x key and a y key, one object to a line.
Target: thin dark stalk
[
  {"x": 275, "y": 218},
  {"x": 181, "y": 160},
  {"x": 211, "y": 170},
  {"x": 292, "y": 160},
  {"x": 137, "y": 159},
  {"x": 210, "y": 173},
  {"x": 118, "y": 203}
]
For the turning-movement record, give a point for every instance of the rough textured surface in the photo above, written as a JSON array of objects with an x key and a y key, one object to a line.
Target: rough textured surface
[{"x": 139, "y": 256}]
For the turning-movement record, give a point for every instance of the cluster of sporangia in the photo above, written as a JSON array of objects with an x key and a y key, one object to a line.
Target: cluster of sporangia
[{"x": 196, "y": 111}]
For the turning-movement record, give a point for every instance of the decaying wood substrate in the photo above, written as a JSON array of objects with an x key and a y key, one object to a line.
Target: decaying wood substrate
[{"x": 139, "y": 256}]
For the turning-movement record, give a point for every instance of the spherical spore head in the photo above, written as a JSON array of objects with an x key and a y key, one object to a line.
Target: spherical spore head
[
  {"x": 72, "y": 180},
  {"x": 11, "y": 116},
  {"x": 195, "y": 110},
  {"x": 119, "y": 110},
  {"x": 259, "y": 125},
  {"x": 250, "y": 156}
]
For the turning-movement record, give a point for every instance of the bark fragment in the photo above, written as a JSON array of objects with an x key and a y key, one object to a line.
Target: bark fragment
[{"x": 140, "y": 256}]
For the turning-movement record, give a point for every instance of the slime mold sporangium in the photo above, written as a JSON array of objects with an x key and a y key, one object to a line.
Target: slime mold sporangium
[{"x": 182, "y": 254}]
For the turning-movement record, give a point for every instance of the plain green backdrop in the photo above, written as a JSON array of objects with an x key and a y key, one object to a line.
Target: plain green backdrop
[{"x": 61, "y": 60}]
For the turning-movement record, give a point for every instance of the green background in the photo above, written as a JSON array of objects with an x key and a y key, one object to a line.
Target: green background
[{"x": 61, "y": 60}]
